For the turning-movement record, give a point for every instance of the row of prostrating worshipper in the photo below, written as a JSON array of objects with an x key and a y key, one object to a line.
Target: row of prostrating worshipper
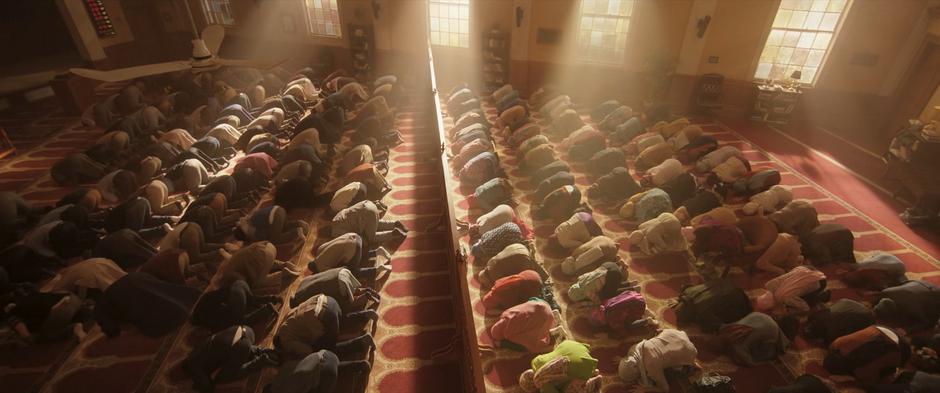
[
  {"x": 164, "y": 225},
  {"x": 683, "y": 204}
]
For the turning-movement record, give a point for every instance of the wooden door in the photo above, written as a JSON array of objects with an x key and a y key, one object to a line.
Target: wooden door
[{"x": 915, "y": 92}]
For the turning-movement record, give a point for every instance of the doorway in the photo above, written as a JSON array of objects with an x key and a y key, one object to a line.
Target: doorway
[{"x": 915, "y": 92}]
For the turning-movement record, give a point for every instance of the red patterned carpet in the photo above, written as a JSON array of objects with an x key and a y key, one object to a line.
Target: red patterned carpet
[
  {"x": 416, "y": 335},
  {"x": 42, "y": 135},
  {"x": 661, "y": 277}
]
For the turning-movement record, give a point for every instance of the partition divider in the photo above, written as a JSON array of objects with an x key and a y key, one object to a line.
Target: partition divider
[{"x": 472, "y": 372}]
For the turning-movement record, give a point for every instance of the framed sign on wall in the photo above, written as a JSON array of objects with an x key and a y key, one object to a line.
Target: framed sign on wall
[{"x": 99, "y": 18}]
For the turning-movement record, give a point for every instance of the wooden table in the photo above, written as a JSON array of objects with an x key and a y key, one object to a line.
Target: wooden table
[{"x": 774, "y": 103}]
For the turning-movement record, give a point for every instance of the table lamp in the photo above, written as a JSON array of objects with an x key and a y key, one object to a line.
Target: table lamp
[{"x": 795, "y": 78}]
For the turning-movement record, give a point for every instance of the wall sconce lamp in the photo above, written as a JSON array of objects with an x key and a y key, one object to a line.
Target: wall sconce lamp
[{"x": 702, "y": 25}]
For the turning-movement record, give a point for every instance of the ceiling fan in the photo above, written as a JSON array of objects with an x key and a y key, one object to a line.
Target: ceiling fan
[{"x": 205, "y": 50}]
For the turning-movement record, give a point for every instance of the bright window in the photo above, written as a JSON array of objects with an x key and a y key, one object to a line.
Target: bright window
[
  {"x": 450, "y": 22},
  {"x": 218, "y": 12},
  {"x": 323, "y": 18},
  {"x": 602, "y": 32},
  {"x": 800, "y": 39}
]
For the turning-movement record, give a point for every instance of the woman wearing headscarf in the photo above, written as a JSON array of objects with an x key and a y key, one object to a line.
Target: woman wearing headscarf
[
  {"x": 525, "y": 327},
  {"x": 512, "y": 290},
  {"x": 569, "y": 367},
  {"x": 577, "y": 230},
  {"x": 660, "y": 235},
  {"x": 614, "y": 187},
  {"x": 513, "y": 259},
  {"x": 558, "y": 205},
  {"x": 599, "y": 284},
  {"x": 646, "y": 205},
  {"x": 590, "y": 255}
]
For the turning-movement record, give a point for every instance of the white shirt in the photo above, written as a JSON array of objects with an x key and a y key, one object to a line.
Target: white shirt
[
  {"x": 344, "y": 196},
  {"x": 106, "y": 187}
]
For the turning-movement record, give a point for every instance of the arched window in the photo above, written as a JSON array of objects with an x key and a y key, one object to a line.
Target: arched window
[{"x": 800, "y": 39}]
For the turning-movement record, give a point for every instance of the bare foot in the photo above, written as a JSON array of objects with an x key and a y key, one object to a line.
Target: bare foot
[
  {"x": 233, "y": 246},
  {"x": 79, "y": 332}
]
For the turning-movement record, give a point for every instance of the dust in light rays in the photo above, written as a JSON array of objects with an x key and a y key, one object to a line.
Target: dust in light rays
[
  {"x": 567, "y": 72},
  {"x": 607, "y": 48},
  {"x": 273, "y": 30}
]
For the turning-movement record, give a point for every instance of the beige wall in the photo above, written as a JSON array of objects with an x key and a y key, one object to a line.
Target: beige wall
[
  {"x": 736, "y": 36},
  {"x": 879, "y": 27},
  {"x": 658, "y": 30},
  {"x": 929, "y": 113}
]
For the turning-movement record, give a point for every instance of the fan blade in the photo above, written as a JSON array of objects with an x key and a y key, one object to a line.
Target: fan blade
[
  {"x": 259, "y": 64},
  {"x": 123, "y": 74},
  {"x": 213, "y": 35}
]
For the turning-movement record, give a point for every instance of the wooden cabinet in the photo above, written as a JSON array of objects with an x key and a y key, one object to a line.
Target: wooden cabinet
[
  {"x": 775, "y": 103},
  {"x": 495, "y": 59},
  {"x": 362, "y": 49}
]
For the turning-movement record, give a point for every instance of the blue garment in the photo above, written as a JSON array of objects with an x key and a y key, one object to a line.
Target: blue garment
[
  {"x": 238, "y": 111},
  {"x": 887, "y": 263}
]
